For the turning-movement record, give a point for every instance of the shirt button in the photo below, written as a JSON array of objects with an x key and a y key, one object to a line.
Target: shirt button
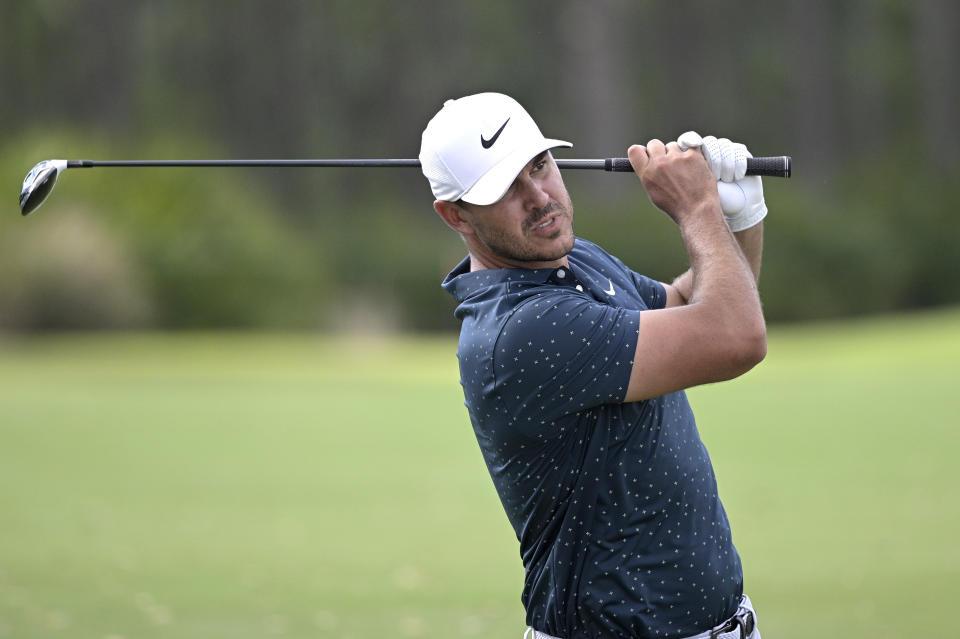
[
  {"x": 561, "y": 273},
  {"x": 579, "y": 288}
]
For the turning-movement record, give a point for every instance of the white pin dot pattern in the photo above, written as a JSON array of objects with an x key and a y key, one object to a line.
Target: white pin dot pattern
[{"x": 615, "y": 505}]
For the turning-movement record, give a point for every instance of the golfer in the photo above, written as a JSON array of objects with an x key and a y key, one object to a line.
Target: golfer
[{"x": 573, "y": 369}]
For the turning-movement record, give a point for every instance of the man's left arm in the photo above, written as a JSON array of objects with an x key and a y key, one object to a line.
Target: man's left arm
[
  {"x": 751, "y": 243},
  {"x": 742, "y": 201}
]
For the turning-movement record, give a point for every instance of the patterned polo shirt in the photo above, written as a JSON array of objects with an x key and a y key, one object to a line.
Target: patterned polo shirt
[{"x": 615, "y": 505}]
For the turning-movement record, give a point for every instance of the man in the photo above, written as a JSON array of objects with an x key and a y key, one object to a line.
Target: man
[{"x": 573, "y": 369}]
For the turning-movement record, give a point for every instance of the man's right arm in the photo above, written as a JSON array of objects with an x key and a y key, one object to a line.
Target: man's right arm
[
  {"x": 751, "y": 243},
  {"x": 719, "y": 333}
]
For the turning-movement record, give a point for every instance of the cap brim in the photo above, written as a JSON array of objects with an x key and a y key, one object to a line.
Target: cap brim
[{"x": 492, "y": 186}]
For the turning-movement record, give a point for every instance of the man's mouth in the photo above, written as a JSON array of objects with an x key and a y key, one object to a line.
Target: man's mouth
[
  {"x": 548, "y": 223},
  {"x": 548, "y": 218}
]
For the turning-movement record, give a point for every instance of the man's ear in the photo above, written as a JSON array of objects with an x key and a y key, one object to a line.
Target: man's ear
[{"x": 451, "y": 214}]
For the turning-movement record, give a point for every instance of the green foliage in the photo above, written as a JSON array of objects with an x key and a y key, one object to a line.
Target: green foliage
[
  {"x": 862, "y": 95},
  {"x": 391, "y": 261},
  {"x": 881, "y": 239},
  {"x": 182, "y": 247},
  {"x": 176, "y": 247},
  {"x": 71, "y": 272}
]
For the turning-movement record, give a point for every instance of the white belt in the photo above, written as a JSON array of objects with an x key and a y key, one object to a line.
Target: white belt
[{"x": 742, "y": 625}]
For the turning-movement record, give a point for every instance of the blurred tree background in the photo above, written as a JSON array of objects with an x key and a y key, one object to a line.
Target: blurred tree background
[{"x": 863, "y": 94}]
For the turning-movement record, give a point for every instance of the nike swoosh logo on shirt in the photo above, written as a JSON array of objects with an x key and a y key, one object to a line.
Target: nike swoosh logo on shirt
[
  {"x": 488, "y": 143},
  {"x": 611, "y": 291}
]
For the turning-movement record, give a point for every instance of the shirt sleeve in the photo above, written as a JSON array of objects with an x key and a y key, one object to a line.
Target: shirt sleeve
[
  {"x": 561, "y": 353},
  {"x": 652, "y": 292}
]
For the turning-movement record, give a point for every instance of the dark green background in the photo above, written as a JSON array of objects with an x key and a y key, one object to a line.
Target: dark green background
[{"x": 862, "y": 94}]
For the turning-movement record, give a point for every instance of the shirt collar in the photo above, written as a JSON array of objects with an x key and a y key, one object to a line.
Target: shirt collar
[{"x": 461, "y": 283}]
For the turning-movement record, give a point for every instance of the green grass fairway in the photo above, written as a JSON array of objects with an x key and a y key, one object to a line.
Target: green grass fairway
[{"x": 237, "y": 486}]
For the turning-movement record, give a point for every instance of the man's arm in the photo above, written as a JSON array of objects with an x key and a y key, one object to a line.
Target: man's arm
[
  {"x": 751, "y": 243},
  {"x": 719, "y": 333}
]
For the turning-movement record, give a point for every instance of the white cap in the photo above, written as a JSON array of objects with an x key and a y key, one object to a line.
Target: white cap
[{"x": 474, "y": 147}]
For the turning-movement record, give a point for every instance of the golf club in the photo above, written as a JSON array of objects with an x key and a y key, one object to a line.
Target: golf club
[{"x": 41, "y": 178}]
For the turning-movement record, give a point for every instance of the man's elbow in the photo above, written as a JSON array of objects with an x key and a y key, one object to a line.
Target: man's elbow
[{"x": 750, "y": 348}]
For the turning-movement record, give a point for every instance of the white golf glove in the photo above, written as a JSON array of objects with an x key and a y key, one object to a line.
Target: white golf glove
[{"x": 741, "y": 197}]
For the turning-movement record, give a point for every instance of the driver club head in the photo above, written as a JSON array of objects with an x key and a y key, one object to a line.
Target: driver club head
[{"x": 38, "y": 184}]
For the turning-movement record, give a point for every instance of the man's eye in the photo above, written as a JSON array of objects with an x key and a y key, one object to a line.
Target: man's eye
[{"x": 539, "y": 165}]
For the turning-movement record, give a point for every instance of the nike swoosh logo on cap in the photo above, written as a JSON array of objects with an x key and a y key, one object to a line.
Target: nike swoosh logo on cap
[{"x": 488, "y": 143}]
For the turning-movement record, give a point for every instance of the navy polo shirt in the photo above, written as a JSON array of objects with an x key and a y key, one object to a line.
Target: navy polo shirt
[{"x": 615, "y": 505}]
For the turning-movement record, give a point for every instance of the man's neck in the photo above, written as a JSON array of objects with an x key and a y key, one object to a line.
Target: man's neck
[{"x": 477, "y": 264}]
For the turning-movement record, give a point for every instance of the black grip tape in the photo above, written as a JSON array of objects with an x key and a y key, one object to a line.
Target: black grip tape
[
  {"x": 619, "y": 165},
  {"x": 770, "y": 167},
  {"x": 778, "y": 166}
]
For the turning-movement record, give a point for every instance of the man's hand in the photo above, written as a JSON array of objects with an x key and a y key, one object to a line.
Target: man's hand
[
  {"x": 727, "y": 160},
  {"x": 678, "y": 182},
  {"x": 741, "y": 198},
  {"x": 719, "y": 331}
]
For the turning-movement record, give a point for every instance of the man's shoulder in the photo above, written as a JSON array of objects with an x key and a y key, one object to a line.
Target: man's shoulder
[
  {"x": 592, "y": 254},
  {"x": 585, "y": 248}
]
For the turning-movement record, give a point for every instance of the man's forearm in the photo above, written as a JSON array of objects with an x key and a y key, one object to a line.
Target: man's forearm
[
  {"x": 751, "y": 243},
  {"x": 723, "y": 301}
]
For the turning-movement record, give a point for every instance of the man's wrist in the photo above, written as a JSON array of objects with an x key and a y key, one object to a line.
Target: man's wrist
[{"x": 703, "y": 217}]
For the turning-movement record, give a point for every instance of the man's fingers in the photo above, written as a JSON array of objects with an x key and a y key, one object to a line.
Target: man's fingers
[
  {"x": 639, "y": 158},
  {"x": 740, "y": 161},
  {"x": 689, "y": 140},
  {"x": 655, "y": 147},
  {"x": 727, "y": 160},
  {"x": 711, "y": 152}
]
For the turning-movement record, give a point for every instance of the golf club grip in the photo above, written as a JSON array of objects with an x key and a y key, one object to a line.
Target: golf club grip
[{"x": 778, "y": 166}]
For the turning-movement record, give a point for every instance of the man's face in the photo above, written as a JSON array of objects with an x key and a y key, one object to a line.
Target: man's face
[{"x": 531, "y": 226}]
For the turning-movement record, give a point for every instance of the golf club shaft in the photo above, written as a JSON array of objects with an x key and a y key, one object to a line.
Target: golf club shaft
[{"x": 779, "y": 166}]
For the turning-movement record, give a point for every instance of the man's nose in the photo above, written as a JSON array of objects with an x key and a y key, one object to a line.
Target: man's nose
[{"x": 534, "y": 195}]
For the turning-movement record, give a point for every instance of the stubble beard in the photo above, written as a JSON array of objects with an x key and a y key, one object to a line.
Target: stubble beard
[{"x": 517, "y": 249}]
